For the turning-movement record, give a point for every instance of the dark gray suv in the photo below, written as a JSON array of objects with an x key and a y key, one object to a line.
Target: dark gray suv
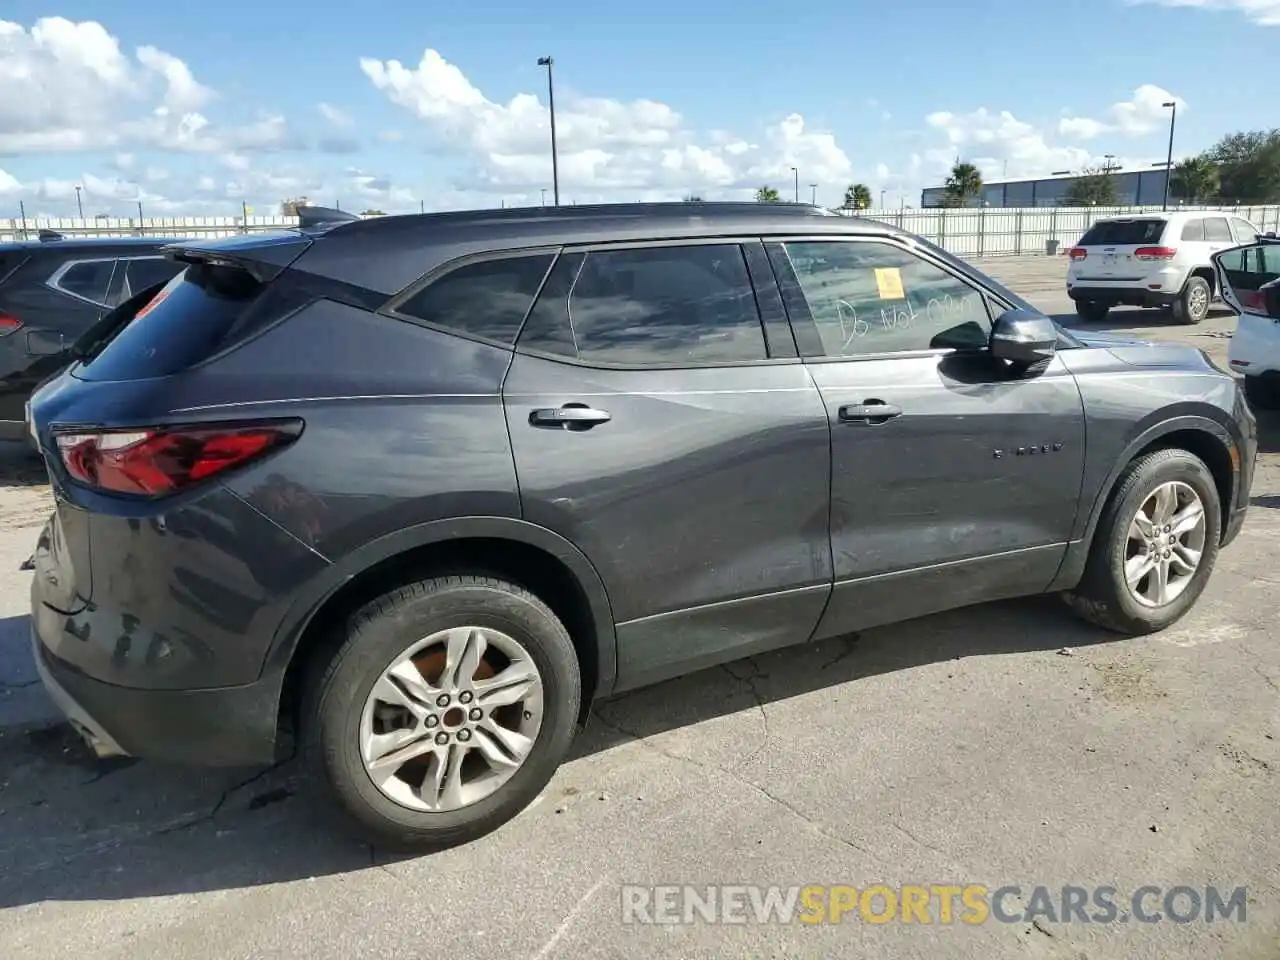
[{"x": 410, "y": 493}]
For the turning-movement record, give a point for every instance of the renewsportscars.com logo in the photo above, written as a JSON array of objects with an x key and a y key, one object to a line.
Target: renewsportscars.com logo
[{"x": 935, "y": 903}]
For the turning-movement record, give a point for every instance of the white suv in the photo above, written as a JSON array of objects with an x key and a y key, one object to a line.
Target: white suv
[
  {"x": 1250, "y": 280},
  {"x": 1152, "y": 260}
]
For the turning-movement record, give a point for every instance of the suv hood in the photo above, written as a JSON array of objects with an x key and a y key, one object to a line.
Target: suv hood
[{"x": 1151, "y": 353}]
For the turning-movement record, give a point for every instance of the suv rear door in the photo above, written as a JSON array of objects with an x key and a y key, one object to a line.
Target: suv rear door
[
  {"x": 1111, "y": 248},
  {"x": 661, "y": 420}
]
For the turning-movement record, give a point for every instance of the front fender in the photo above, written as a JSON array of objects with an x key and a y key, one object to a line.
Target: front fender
[{"x": 312, "y": 598}]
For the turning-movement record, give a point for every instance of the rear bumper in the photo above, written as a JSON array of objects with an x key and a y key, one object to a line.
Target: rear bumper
[
  {"x": 227, "y": 726},
  {"x": 1122, "y": 296}
]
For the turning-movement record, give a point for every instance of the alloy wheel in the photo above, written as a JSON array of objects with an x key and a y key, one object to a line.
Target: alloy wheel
[
  {"x": 1165, "y": 544},
  {"x": 452, "y": 719}
]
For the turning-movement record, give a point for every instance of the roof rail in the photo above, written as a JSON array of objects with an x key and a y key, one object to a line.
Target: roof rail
[{"x": 46, "y": 235}]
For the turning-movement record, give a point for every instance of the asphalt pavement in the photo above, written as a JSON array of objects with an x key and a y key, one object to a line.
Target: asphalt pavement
[{"x": 1004, "y": 745}]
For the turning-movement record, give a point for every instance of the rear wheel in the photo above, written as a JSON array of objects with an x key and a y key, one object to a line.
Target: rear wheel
[
  {"x": 1154, "y": 547},
  {"x": 1262, "y": 393},
  {"x": 1192, "y": 305},
  {"x": 1091, "y": 311},
  {"x": 445, "y": 711}
]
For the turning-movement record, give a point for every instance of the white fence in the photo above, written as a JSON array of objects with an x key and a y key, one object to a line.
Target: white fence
[
  {"x": 969, "y": 232},
  {"x": 1020, "y": 231}
]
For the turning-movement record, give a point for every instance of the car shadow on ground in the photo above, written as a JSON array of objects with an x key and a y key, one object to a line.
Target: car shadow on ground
[
  {"x": 21, "y": 466},
  {"x": 73, "y": 827}
]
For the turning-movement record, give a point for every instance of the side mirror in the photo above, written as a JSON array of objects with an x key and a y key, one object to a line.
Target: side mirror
[{"x": 1024, "y": 338}]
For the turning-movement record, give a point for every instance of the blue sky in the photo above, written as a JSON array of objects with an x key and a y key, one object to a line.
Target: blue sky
[{"x": 194, "y": 108}]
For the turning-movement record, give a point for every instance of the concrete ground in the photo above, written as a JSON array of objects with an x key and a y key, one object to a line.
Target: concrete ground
[{"x": 1004, "y": 745}]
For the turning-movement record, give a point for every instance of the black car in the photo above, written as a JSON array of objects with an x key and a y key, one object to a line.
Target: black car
[
  {"x": 52, "y": 291},
  {"x": 411, "y": 493}
]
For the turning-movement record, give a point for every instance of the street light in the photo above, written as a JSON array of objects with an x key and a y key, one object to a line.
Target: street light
[
  {"x": 1168, "y": 167},
  {"x": 544, "y": 196},
  {"x": 881, "y": 199},
  {"x": 79, "y": 205},
  {"x": 551, "y": 101},
  {"x": 797, "y": 173},
  {"x": 813, "y": 187}
]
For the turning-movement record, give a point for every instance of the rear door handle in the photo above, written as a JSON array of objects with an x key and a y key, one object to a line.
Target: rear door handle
[
  {"x": 571, "y": 416},
  {"x": 869, "y": 411}
]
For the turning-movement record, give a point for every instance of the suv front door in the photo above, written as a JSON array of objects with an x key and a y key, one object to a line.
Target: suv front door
[
  {"x": 662, "y": 422},
  {"x": 954, "y": 479}
]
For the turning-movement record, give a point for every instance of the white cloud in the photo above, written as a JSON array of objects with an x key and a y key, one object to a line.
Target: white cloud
[
  {"x": 603, "y": 144},
  {"x": 1139, "y": 115},
  {"x": 335, "y": 115},
  {"x": 989, "y": 140},
  {"x": 1265, "y": 13},
  {"x": 68, "y": 86}
]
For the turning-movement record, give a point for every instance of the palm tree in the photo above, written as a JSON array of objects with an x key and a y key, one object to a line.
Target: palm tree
[
  {"x": 857, "y": 196},
  {"x": 1095, "y": 187},
  {"x": 964, "y": 184},
  {"x": 767, "y": 195},
  {"x": 1195, "y": 178}
]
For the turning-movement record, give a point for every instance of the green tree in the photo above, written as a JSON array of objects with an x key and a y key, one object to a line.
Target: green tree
[
  {"x": 1195, "y": 178},
  {"x": 1095, "y": 187},
  {"x": 372, "y": 213},
  {"x": 694, "y": 198},
  {"x": 963, "y": 185},
  {"x": 767, "y": 195},
  {"x": 1249, "y": 166},
  {"x": 857, "y": 196}
]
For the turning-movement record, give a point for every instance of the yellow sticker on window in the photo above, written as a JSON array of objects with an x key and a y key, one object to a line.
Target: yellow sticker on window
[{"x": 889, "y": 283}]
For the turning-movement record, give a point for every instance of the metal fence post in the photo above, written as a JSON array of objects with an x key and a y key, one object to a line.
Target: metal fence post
[
  {"x": 982, "y": 230},
  {"x": 942, "y": 227},
  {"x": 1053, "y": 225},
  {"x": 1017, "y": 233}
]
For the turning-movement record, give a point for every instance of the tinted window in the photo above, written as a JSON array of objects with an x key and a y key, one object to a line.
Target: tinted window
[
  {"x": 182, "y": 325},
  {"x": 876, "y": 298},
  {"x": 87, "y": 278},
  {"x": 1245, "y": 233},
  {"x": 1107, "y": 233},
  {"x": 146, "y": 272},
  {"x": 665, "y": 305},
  {"x": 1193, "y": 230},
  {"x": 486, "y": 299},
  {"x": 1216, "y": 230},
  {"x": 548, "y": 328}
]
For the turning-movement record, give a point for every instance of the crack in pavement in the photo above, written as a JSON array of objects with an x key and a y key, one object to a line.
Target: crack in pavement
[
  {"x": 814, "y": 825},
  {"x": 750, "y": 681}
]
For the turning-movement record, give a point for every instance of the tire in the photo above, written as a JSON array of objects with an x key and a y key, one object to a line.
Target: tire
[
  {"x": 1192, "y": 305},
  {"x": 382, "y": 632},
  {"x": 1262, "y": 394},
  {"x": 1091, "y": 311},
  {"x": 1103, "y": 597}
]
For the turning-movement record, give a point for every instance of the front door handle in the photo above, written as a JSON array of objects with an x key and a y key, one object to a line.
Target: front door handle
[
  {"x": 571, "y": 416},
  {"x": 869, "y": 411}
]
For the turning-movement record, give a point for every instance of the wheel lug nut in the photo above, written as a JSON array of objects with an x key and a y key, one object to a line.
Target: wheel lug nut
[
  {"x": 442, "y": 738},
  {"x": 475, "y": 713},
  {"x": 464, "y": 735},
  {"x": 432, "y": 721},
  {"x": 442, "y": 700},
  {"x": 465, "y": 696}
]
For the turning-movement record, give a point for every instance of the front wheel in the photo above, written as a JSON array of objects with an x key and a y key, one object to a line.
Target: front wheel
[
  {"x": 446, "y": 710},
  {"x": 1154, "y": 547}
]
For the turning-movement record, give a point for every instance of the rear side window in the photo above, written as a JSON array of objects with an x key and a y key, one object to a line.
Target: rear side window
[
  {"x": 658, "y": 306},
  {"x": 1193, "y": 230},
  {"x": 183, "y": 324},
  {"x": 487, "y": 299},
  {"x": 87, "y": 279},
  {"x": 1216, "y": 230},
  {"x": 1107, "y": 233},
  {"x": 148, "y": 271}
]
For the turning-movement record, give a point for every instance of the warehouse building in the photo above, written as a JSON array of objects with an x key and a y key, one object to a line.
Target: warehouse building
[{"x": 1135, "y": 186}]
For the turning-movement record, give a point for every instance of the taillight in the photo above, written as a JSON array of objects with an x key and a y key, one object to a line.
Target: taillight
[
  {"x": 1078, "y": 253},
  {"x": 166, "y": 460},
  {"x": 1155, "y": 253},
  {"x": 8, "y": 323}
]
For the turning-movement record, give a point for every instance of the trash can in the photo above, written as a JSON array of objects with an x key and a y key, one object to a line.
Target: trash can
[{"x": 1051, "y": 248}]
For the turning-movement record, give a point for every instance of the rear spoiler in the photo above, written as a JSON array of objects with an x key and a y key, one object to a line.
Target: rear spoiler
[{"x": 263, "y": 256}]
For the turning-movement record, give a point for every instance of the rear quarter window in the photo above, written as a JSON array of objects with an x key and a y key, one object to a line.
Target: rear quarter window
[
  {"x": 182, "y": 325},
  {"x": 1106, "y": 233}
]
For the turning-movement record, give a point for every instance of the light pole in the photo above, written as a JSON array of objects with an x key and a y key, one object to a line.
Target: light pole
[
  {"x": 797, "y": 173},
  {"x": 544, "y": 196},
  {"x": 813, "y": 188},
  {"x": 881, "y": 199},
  {"x": 551, "y": 101},
  {"x": 79, "y": 205},
  {"x": 1168, "y": 167}
]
